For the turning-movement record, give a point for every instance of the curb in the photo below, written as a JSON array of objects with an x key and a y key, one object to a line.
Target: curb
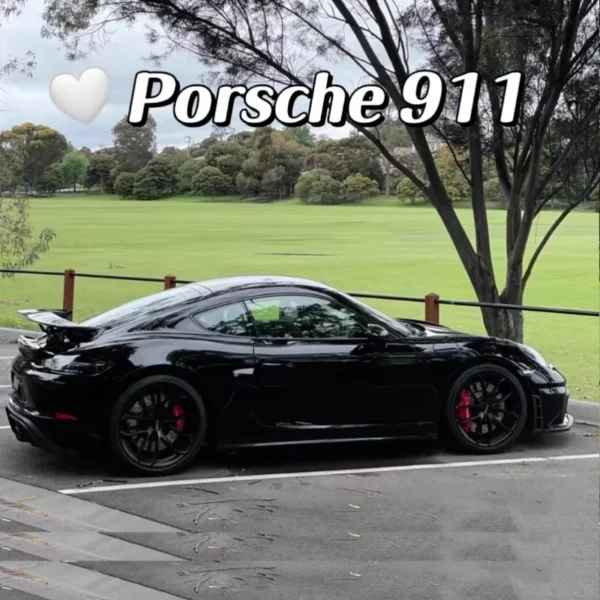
[
  {"x": 587, "y": 413},
  {"x": 11, "y": 335}
]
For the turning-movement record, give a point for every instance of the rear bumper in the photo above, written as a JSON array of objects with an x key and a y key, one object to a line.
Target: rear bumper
[{"x": 43, "y": 432}]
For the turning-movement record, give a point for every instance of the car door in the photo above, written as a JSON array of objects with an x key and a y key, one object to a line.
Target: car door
[{"x": 316, "y": 367}]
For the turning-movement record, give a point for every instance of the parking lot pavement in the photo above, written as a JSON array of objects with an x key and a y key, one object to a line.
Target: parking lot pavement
[{"x": 286, "y": 523}]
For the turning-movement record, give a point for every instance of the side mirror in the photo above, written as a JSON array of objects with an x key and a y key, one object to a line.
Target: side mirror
[{"x": 377, "y": 332}]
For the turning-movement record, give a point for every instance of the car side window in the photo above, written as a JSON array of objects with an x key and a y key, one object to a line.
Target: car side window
[
  {"x": 230, "y": 319},
  {"x": 304, "y": 317}
]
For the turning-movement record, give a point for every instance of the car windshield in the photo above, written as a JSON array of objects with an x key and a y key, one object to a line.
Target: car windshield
[
  {"x": 400, "y": 326},
  {"x": 147, "y": 306}
]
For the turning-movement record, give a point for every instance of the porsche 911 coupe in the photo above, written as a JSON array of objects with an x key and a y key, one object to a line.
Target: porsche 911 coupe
[{"x": 260, "y": 360}]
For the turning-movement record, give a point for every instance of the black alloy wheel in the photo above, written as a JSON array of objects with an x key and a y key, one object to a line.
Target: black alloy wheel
[
  {"x": 486, "y": 410},
  {"x": 158, "y": 425}
]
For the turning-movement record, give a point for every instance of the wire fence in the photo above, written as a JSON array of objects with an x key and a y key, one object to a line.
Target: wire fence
[{"x": 431, "y": 301}]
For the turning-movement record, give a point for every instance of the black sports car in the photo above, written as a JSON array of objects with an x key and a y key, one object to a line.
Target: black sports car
[{"x": 266, "y": 360}]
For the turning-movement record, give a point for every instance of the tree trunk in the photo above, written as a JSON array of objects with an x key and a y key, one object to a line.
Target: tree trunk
[
  {"x": 388, "y": 185},
  {"x": 504, "y": 323},
  {"x": 500, "y": 322}
]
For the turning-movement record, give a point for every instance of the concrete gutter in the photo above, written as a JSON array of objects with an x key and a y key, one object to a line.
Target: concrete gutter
[{"x": 584, "y": 412}]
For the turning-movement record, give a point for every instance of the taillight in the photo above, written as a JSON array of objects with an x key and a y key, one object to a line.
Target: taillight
[{"x": 75, "y": 364}]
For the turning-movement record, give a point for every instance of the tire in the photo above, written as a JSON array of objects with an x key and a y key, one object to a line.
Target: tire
[
  {"x": 474, "y": 407},
  {"x": 159, "y": 394}
]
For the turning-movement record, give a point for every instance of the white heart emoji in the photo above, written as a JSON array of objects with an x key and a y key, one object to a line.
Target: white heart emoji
[{"x": 83, "y": 98}]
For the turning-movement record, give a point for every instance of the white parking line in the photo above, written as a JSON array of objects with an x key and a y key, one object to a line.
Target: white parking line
[
  {"x": 233, "y": 479},
  {"x": 4, "y": 426},
  {"x": 6, "y": 357},
  {"x": 5, "y": 386}
]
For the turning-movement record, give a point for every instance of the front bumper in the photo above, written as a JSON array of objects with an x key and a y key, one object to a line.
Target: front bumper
[
  {"x": 550, "y": 409},
  {"x": 567, "y": 423}
]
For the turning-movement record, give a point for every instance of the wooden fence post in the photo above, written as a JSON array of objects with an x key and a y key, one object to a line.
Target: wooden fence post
[
  {"x": 170, "y": 281},
  {"x": 69, "y": 292},
  {"x": 432, "y": 308}
]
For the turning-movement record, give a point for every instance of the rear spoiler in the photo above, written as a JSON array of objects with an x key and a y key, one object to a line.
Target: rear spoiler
[{"x": 56, "y": 324}]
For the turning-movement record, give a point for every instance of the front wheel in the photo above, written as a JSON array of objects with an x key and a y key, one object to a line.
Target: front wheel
[
  {"x": 486, "y": 409},
  {"x": 158, "y": 425}
]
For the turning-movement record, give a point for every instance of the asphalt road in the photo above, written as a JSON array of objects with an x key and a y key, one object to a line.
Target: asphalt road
[{"x": 440, "y": 527}]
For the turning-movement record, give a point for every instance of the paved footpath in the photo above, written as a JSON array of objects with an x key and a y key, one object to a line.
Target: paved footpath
[{"x": 387, "y": 521}]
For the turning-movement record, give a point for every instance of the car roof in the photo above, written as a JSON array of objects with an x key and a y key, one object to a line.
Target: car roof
[{"x": 236, "y": 283}]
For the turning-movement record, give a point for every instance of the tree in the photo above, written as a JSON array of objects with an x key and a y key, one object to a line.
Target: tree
[
  {"x": 74, "y": 168},
  {"x": 199, "y": 150},
  {"x": 135, "y": 146},
  {"x": 39, "y": 146},
  {"x": 226, "y": 156},
  {"x": 166, "y": 173},
  {"x": 99, "y": 168},
  {"x": 554, "y": 43},
  {"x": 407, "y": 189},
  {"x": 52, "y": 179},
  {"x": 124, "y": 184},
  {"x": 303, "y": 136},
  {"x": 271, "y": 153},
  {"x": 156, "y": 180},
  {"x": 451, "y": 164},
  {"x": 356, "y": 188},
  {"x": 247, "y": 185},
  {"x": 209, "y": 181},
  {"x": 19, "y": 247},
  {"x": 347, "y": 156},
  {"x": 109, "y": 182},
  {"x": 11, "y": 165},
  {"x": 176, "y": 156},
  {"x": 319, "y": 187},
  {"x": 186, "y": 173}
]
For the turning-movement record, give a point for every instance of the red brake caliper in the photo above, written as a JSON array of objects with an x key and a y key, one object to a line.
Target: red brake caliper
[
  {"x": 464, "y": 412},
  {"x": 179, "y": 414}
]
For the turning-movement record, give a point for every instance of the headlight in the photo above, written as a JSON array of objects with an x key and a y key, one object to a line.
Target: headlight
[{"x": 76, "y": 365}]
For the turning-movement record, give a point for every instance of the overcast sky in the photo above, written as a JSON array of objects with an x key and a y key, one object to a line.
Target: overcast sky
[{"x": 27, "y": 99}]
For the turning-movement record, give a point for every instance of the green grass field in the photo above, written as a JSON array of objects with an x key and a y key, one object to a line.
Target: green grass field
[{"x": 378, "y": 247}]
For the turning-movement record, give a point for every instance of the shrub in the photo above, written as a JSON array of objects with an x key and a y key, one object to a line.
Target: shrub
[
  {"x": 124, "y": 184},
  {"x": 406, "y": 189},
  {"x": 327, "y": 190},
  {"x": 304, "y": 186},
  {"x": 209, "y": 181},
  {"x": 156, "y": 180},
  {"x": 247, "y": 185},
  {"x": 186, "y": 173},
  {"x": 358, "y": 187},
  {"x": 319, "y": 187},
  {"x": 145, "y": 185}
]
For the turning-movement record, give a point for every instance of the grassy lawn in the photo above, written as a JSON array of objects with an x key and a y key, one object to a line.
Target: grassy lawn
[{"x": 386, "y": 248}]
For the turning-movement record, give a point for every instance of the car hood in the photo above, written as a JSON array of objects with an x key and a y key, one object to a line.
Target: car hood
[{"x": 432, "y": 329}]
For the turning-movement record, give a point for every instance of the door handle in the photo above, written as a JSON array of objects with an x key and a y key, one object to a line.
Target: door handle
[
  {"x": 364, "y": 349},
  {"x": 276, "y": 364}
]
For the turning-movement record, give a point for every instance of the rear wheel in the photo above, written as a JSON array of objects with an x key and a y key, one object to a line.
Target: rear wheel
[
  {"x": 158, "y": 425},
  {"x": 486, "y": 410}
]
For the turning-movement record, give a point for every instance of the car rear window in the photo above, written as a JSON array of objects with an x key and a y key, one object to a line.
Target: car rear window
[{"x": 147, "y": 306}]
